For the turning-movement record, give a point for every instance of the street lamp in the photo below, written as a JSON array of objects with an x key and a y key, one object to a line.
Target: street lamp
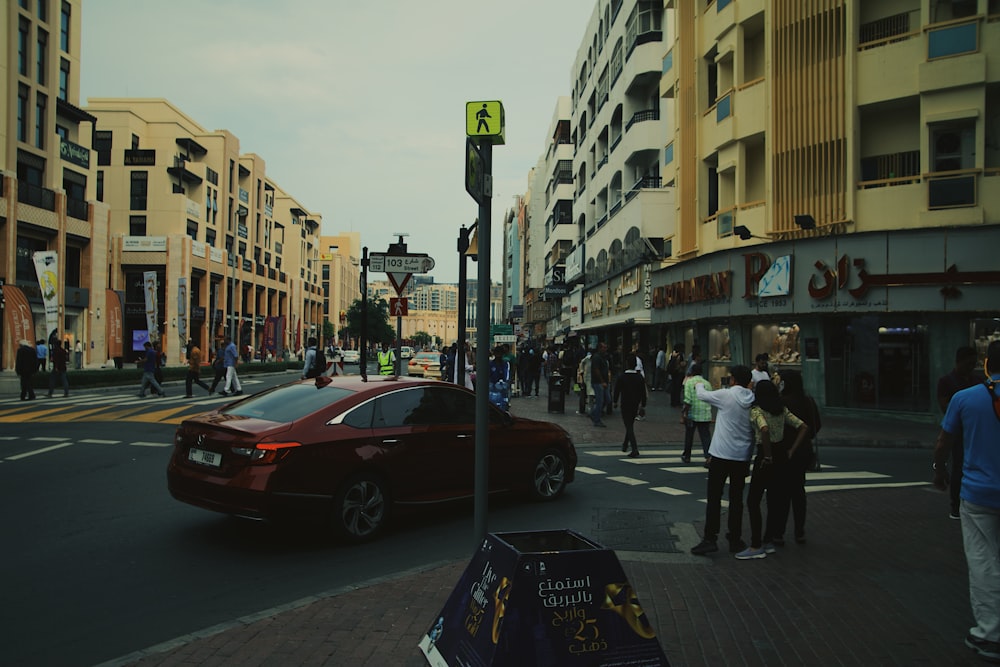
[
  {"x": 806, "y": 222},
  {"x": 744, "y": 233}
]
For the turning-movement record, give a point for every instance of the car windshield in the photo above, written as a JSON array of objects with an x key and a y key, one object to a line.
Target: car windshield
[{"x": 288, "y": 403}]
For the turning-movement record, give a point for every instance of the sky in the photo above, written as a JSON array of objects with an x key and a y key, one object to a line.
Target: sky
[{"x": 357, "y": 107}]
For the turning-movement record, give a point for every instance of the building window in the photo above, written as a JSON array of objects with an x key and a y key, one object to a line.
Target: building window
[
  {"x": 43, "y": 10},
  {"x": 22, "y": 113},
  {"x": 43, "y": 40},
  {"x": 40, "y": 124},
  {"x": 64, "y": 28},
  {"x": 102, "y": 145},
  {"x": 135, "y": 142},
  {"x": 137, "y": 225},
  {"x": 100, "y": 185},
  {"x": 25, "y": 262},
  {"x": 64, "y": 79},
  {"x": 63, "y": 132},
  {"x": 139, "y": 191},
  {"x": 193, "y": 229},
  {"x": 210, "y": 237},
  {"x": 22, "y": 47},
  {"x": 73, "y": 267}
]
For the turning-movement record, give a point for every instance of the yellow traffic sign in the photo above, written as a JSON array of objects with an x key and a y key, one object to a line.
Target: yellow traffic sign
[{"x": 485, "y": 119}]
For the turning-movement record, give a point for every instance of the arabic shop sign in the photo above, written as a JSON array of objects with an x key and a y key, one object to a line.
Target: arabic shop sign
[
  {"x": 618, "y": 295},
  {"x": 707, "y": 287},
  {"x": 850, "y": 272}
]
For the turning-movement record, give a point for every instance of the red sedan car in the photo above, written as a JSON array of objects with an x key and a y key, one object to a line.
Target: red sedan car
[{"x": 347, "y": 450}]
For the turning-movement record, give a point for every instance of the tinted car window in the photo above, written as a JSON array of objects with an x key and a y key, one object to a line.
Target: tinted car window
[
  {"x": 286, "y": 404},
  {"x": 361, "y": 416},
  {"x": 457, "y": 407},
  {"x": 408, "y": 407}
]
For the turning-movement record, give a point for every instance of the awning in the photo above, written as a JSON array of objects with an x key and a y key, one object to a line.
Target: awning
[{"x": 621, "y": 319}]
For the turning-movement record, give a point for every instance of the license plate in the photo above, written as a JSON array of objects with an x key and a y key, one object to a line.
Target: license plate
[{"x": 205, "y": 458}]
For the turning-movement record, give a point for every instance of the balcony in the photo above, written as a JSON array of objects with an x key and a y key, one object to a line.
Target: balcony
[
  {"x": 35, "y": 195},
  {"x": 77, "y": 208},
  {"x": 952, "y": 189}
]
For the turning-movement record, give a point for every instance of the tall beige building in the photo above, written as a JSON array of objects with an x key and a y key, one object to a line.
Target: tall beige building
[
  {"x": 340, "y": 266},
  {"x": 231, "y": 252},
  {"x": 48, "y": 194}
]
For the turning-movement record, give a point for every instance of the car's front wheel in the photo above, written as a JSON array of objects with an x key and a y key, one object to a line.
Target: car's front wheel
[
  {"x": 361, "y": 508},
  {"x": 549, "y": 476}
]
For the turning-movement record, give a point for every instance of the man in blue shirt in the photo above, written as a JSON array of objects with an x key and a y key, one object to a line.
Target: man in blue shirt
[
  {"x": 973, "y": 423},
  {"x": 230, "y": 358},
  {"x": 149, "y": 365}
]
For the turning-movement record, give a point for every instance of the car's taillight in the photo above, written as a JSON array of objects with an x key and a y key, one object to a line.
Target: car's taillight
[{"x": 264, "y": 453}]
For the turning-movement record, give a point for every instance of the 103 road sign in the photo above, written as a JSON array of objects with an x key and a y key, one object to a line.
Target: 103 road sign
[{"x": 411, "y": 263}]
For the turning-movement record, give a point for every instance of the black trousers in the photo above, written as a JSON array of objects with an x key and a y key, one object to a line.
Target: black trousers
[
  {"x": 27, "y": 391},
  {"x": 193, "y": 377},
  {"x": 788, "y": 491},
  {"x": 719, "y": 470},
  {"x": 628, "y": 417},
  {"x": 220, "y": 373}
]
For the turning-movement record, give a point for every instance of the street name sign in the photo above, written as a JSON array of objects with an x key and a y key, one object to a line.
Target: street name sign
[{"x": 409, "y": 263}]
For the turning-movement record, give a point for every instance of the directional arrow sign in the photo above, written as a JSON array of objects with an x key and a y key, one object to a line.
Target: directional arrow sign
[{"x": 410, "y": 263}]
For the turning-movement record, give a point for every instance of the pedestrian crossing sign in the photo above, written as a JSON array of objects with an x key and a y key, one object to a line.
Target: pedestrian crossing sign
[{"x": 485, "y": 119}]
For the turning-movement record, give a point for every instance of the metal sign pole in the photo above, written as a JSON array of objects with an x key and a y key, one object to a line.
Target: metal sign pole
[{"x": 483, "y": 289}]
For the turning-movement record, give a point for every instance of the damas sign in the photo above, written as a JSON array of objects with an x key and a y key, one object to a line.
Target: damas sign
[{"x": 707, "y": 287}]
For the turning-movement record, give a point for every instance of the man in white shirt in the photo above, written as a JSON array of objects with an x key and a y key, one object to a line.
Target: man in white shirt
[
  {"x": 732, "y": 444},
  {"x": 760, "y": 371}
]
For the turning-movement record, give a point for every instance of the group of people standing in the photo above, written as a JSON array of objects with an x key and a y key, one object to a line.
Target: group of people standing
[{"x": 762, "y": 430}]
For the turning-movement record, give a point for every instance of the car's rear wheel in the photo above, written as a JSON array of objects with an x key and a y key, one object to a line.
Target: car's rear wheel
[
  {"x": 549, "y": 476},
  {"x": 361, "y": 508}
]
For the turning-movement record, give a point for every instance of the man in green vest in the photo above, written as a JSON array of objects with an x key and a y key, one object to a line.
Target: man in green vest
[{"x": 386, "y": 361}]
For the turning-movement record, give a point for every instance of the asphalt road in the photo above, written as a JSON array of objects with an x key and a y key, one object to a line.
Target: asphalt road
[{"x": 100, "y": 561}]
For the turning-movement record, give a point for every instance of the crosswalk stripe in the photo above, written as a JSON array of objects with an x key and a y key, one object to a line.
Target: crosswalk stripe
[
  {"x": 687, "y": 470},
  {"x": 92, "y": 441},
  {"x": 814, "y": 476},
  {"x": 19, "y": 416},
  {"x": 42, "y": 438},
  {"x": 631, "y": 481},
  {"x": 24, "y": 455},
  {"x": 150, "y": 444},
  {"x": 647, "y": 460},
  {"x": 670, "y": 491},
  {"x": 848, "y": 487},
  {"x": 158, "y": 416}
]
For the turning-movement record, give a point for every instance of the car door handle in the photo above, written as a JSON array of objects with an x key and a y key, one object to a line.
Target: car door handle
[
  {"x": 464, "y": 435},
  {"x": 390, "y": 441}
]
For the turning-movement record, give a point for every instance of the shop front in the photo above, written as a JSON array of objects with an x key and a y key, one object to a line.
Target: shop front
[
  {"x": 616, "y": 311},
  {"x": 871, "y": 320}
]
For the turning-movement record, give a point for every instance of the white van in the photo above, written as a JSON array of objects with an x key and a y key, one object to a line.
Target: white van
[{"x": 405, "y": 352}]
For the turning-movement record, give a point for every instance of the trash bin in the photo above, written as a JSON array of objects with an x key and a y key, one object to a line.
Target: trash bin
[
  {"x": 542, "y": 598},
  {"x": 557, "y": 393}
]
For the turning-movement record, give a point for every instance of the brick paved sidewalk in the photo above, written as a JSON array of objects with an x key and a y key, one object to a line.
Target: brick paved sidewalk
[{"x": 882, "y": 581}]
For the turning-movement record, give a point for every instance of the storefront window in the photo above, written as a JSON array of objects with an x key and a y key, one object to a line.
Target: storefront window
[
  {"x": 877, "y": 362},
  {"x": 984, "y": 331},
  {"x": 718, "y": 344},
  {"x": 780, "y": 341}
]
